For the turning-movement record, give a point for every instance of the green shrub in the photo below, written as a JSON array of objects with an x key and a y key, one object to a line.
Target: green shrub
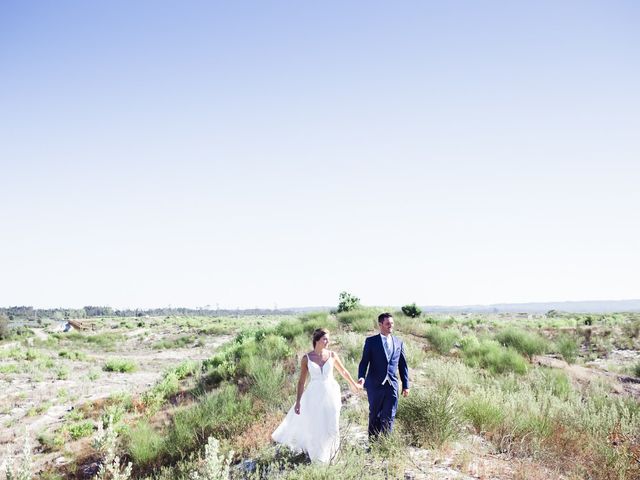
[
  {"x": 80, "y": 429},
  {"x": 75, "y": 355},
  {"x": 267, "y": 381},
  {"x": 179, "y": 342},
  {"x": 430, "y": 418},
  {"x": 4, "y": 326},
  {"x": 360, "y": 321},
  {"x": 165, "y": 388},
  {"x": 412, "y": 310},
  {"x": 290, "y": 329},
  {"x": 62, "y": 373},
  {"x": 567, "y": 347},
  {"x": 527, "y": 343},
  {"x": 222, "y": 413},
  {"x": 443, "y": 340},
  {"x": 143, "y": 444},
  {"x": 492, "y": 356},
  {"x": 119, "y": 365},
  {"x": 274, "y": 347},
  {"x": 347, "y": 302},
  {"x": 635, "y": 370},
  {"x": 483, "y": 413},
  {"x": 185, "y": 369}
]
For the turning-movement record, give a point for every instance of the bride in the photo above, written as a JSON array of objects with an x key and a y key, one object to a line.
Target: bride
[{"x": 312, "y": 424}]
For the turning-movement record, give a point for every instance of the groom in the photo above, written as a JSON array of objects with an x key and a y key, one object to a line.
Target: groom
[{"x": 382, "y": 355}]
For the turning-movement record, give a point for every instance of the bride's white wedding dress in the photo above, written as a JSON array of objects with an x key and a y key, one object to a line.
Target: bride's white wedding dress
[{"x": 316, "y": 429}]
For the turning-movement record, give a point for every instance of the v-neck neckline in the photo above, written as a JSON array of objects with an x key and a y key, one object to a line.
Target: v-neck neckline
[{"x": 318, "y": 365}]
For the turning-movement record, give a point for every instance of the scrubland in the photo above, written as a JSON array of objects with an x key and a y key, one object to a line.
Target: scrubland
[{"x": 493, "y": 396}]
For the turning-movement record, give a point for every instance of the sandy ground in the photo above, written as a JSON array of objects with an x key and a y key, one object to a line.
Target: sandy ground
[{"x": 22, "y": 393}]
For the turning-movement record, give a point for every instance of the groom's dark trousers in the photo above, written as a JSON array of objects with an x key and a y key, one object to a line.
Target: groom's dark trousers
[
  {"x": 383, "y": 401},
  {"x": 381, "y": 381}
]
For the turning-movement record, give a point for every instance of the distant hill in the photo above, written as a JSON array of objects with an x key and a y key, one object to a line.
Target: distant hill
[{"x": 594, "y": 306}]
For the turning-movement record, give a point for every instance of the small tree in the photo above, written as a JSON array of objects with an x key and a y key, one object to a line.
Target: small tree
[
  {"x": 4, "y": 326},
  {"x": 411, "y": 310},
  {"x": 347, "y": 302}
]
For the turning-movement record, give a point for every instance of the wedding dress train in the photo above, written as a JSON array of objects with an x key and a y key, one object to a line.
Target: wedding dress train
[{"x": 316, "y": 430}]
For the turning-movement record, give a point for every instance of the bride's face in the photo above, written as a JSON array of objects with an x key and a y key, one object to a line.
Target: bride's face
[{"x": 324, "y": 341}]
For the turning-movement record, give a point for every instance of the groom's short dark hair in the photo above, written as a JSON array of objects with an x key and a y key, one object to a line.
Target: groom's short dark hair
[{"x": 383, "y": 316}]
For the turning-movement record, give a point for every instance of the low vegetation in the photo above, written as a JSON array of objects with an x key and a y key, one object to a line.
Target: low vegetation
[{"x": 472, "y": 376}]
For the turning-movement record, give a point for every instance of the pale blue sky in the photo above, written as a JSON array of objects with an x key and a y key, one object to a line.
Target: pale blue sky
[{"x": 259, "y": 153}]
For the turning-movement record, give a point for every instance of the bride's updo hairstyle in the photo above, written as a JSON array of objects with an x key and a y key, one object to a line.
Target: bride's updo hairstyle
[{"x": 318, "y": 333}]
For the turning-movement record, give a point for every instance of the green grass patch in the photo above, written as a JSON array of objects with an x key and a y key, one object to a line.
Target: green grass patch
[
  {"x": 79, "y": 429},
  {"x": 179, "y": 342},
  {"x": 494, "y": 357},
  {"x": 119, "y": 365},
  {"x": 143, "y": 444},
  {"x": 567, "y": 346},
  {"x": 442, "y": 339},
  {"x": 527, "y": 343},
  {"x": 430, "y": 418}
]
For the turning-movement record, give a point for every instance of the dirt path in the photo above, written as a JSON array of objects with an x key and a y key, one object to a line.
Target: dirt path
[{"x": 620, "y": 384}]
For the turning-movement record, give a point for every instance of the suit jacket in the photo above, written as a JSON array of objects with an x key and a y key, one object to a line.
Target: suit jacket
[{"x": 374, "y": 366}]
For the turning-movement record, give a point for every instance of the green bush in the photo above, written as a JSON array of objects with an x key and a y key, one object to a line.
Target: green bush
[
  {"x": 567, "y": 346},
  {"x": 360, "y": 321},
  {"x": 267, "y": 381},
  {"x": 156, "y": 396},
  {"x": 4, "y": 326},
  {"x": 143, "y": 444},
  {"x": 527, "y": 343},
  {"x": 290, "y": 329},
  {"x": 179, "y": 342},
  {"x": 80, "y": 429},
  {"x": 119, "y": 365},
  {"x": 412, "y": 310},
  {"x": 75, "y": 355},
  {"x": 635, "y": 370},
  {"x": 222, "y": 413},
  {"x": 430, "y": 418},
  {"x": 347, "y": 302},
  {"x": 483, "y": 413},
  {"x": 491, "y": 355},
  {"x": 443, "y": 340}
]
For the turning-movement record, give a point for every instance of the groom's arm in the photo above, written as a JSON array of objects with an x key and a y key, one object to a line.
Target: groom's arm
[
  {"x": 364, "y": 362},
  {"x": 404, "y": 369}
]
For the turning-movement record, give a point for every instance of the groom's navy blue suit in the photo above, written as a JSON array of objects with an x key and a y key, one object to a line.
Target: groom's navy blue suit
[{"x": 381, "y": 381}]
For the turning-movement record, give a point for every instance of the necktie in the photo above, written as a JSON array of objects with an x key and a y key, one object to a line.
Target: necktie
[{"x": 387, "y": 349}]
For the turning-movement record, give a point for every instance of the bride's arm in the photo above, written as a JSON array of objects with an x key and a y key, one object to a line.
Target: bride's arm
[
  {"x": 304, "y": 369},
  {"x": 344, "y": 372}
]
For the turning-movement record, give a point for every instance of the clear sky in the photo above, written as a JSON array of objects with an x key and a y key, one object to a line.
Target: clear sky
[{"x": 258, "y": 153}]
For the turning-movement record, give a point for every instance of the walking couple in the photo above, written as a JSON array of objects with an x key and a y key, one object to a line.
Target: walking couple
[{"x": 312, "y": 424}]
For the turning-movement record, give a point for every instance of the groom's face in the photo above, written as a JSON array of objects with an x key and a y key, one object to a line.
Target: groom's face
[{"x": 386, "y": 327}]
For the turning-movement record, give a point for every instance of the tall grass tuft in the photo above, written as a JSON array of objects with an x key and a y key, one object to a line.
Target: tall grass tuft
[
  {"x": 119, "y": 365},
  {"x": 526, "y": 343},
  {"x": 492, "y": 356},
  {"x": 430, "y": 418},
  {"x": 361, "y": 320},
  {"x": 222, "y": 413},
  {"x": 567, "y": 346},
  {"x": 483, "y": 413},
  {"x": 443, "y": 340},
  {"x": 267, "y": 382},
  {"x": 143, "y": 443}
]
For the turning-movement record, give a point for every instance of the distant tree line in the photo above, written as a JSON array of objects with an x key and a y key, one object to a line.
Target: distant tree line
[{"x": 30, "y": 313}]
